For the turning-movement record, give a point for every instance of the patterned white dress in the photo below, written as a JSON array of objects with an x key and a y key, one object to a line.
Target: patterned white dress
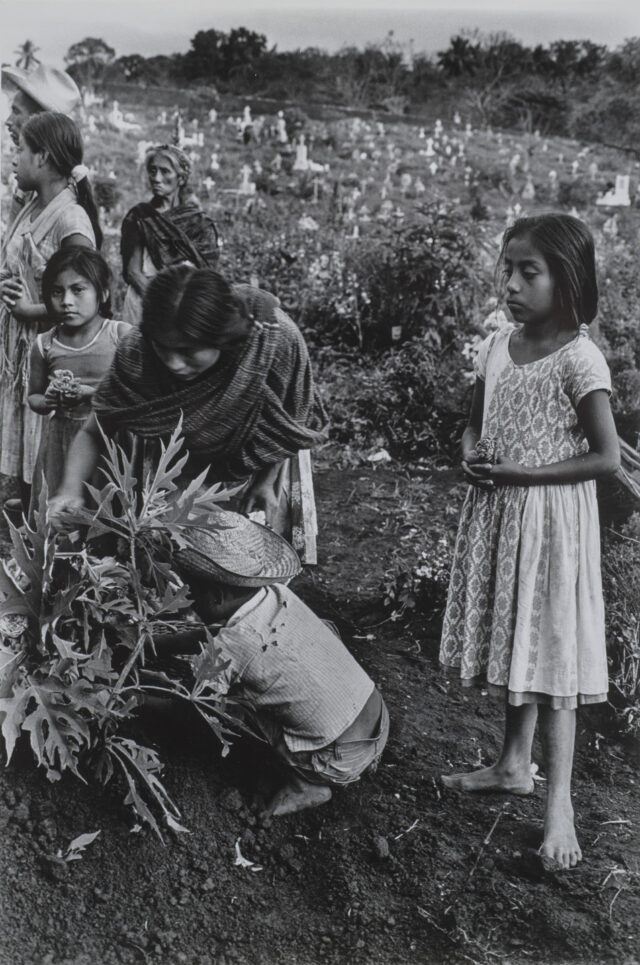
[
  {"x": 525, "y": 611},
  {"x": 29, "y": 243}
]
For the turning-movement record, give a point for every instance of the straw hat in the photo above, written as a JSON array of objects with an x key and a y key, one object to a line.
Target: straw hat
[
  {"x": 49, "y": 87},
  {"x": 235, "y": 550}
]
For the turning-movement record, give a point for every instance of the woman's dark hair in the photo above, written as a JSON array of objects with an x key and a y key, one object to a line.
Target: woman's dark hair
[
  {"x": 567, "y": 246},
  {"x": 198, "y": 303},
  {"x": 59, "y": 136},
  {"x": 88, "y": 263}
]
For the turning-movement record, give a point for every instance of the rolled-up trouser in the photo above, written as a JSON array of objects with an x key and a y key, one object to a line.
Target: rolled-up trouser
[{"x": 341, "y": 762}]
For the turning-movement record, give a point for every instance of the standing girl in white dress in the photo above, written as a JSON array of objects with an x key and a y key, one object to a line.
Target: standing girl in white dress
[
  {"x": 525, "y": 611},
  {"x": 60, "y": 212}
]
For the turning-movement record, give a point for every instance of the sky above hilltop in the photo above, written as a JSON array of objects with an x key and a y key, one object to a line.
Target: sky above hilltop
[{"x": 157, "y": 27}]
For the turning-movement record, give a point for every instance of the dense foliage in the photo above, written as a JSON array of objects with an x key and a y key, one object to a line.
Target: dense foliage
[{"x": 78, "y": 625}]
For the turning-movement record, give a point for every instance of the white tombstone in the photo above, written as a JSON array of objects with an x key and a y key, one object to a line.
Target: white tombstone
[
  {"x": 514, "y": 164},
  {"x": 437, "y": 129},
  {"x": 610, "y": 227},
  {"x": 276, "y": 164},
  {"x": 208, "y": 184},
  {"x": 247, "y": 120},
  {"x": 115, "y": 115},
  {"x": 529, "y": 191},
  {"x": 380, "y": 129},
  {"x": 617, "y": 197},
  {"x": 467, "y": 129},
  {"x": 247, "y": 186},
  {"x": 433, "y": 167},
  {"x": 419, "y": 187},
  {"x": 429, "y": 152},
  {"x": 457, "y": 120},
  {"x": 405, "y": 183},
  {"x": 214, "y": 162},
  {"x": 213, "y": 115},
  {"x": 162, "y": 117},
  {"x": 257, "y": 167},
  {"x": 545, "y": 146},
  {"x": 283, "y": 137},
  {"x": 422, "y": 133},
  {"x": 593, "y": 170},
  {"x": 574, "y": 167},
  {"x": 301, "y": 162}
]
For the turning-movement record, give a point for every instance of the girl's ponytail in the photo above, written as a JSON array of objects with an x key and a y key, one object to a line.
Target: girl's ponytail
[{"x": 86, "y": 199}]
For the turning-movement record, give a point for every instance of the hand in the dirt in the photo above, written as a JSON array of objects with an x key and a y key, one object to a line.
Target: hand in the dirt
[
  {"x": 261, "y": 497},
  {"x": 59, "y": 507}
]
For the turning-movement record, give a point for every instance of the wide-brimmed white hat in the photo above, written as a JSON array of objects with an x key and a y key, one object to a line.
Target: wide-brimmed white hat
[
  {"x": 238, "y": 551},
  {"x": 53, "y": 89}
]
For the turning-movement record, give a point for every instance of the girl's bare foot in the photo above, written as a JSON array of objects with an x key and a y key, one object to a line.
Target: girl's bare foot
[
  {"x": 560, "y": 849},
  {"x": 495, "y": 778},
  {"x": 296, "y": 796}
]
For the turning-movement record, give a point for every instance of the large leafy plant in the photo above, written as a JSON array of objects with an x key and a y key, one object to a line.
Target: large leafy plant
[{"x": 78, "y": 624}]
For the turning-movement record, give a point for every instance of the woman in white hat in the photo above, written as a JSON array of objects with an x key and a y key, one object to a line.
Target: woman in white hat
[
  {"x": 60, "y": 211},
  {"x": 42, "y": 89}
]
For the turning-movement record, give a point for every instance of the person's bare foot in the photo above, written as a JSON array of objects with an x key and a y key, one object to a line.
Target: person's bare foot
[
  {"x": 560, "y": 849},
  {"x": 495, "y": 778},
  {"x": 297, "y": 795}
]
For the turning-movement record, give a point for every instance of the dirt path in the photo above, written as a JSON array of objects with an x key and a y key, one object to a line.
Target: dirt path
[{"x": 392, "y": 870}]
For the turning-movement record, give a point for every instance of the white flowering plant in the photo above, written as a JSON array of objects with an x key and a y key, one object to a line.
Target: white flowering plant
[{"x": 422, "y": 586}]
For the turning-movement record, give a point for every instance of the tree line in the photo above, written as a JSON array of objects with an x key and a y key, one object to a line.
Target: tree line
[{"x": 564, "y": 87}]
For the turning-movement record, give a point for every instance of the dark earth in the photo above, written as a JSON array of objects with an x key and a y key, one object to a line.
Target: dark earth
[{"x": 393, "y": 870}]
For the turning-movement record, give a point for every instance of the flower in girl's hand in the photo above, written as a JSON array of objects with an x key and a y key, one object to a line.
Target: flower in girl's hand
[
  {"x": 486, "y": 449},
  {"x": 64, "y": 385}
]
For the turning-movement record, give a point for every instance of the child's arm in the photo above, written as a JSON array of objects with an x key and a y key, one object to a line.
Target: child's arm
[
  {"x": 603, "y": 458},
  {"x": 82, "y": 460},
  {"x": 39, "y": 399},
  {"x": 471, "y": 435}
]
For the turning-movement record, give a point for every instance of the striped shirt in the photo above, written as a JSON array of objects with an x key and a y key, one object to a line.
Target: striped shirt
[{"x": 292, "y": 668}]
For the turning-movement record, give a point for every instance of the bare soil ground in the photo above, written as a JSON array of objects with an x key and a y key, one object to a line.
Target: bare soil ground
[{"x": 393, "y": 870}]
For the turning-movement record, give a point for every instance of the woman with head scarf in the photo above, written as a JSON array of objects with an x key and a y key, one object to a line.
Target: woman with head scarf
[
  {"x": 169, "y": 230},
  {"x": 233, "y": 369}
]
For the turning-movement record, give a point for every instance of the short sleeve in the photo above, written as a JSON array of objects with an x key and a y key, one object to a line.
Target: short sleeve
[
  {"x": 480, "y": 361},
  {"x": 74, "y": 220},
  {"x": 586, "y": 372}
]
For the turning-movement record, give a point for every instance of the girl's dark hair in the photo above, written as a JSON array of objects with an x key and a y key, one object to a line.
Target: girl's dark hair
[
  {"x": 88, "y": 263},
  {"x": 198, "y": 303},
  {"x": 59, "y": 136},
  {"x": 567, "y": 246}
]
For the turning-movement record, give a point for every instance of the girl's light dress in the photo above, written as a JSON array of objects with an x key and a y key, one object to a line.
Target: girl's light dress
[
  {"x": 30, "y": 241},
  {"x": 89, "y": 364},
  {"x": 525, "y": 610}
]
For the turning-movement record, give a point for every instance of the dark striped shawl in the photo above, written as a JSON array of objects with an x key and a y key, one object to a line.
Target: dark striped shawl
[{"x": 253, "y": 409}]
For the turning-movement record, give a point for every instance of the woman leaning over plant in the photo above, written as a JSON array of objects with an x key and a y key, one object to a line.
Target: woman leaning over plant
[{"x": 229, "y": 362}]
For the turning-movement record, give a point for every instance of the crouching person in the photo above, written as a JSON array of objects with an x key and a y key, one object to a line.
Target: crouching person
[{"x": 306, "y": 694}]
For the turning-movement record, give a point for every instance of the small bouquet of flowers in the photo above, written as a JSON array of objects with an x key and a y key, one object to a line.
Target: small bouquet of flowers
[
  {"x": 486, "y": 449},
  {"x": 65, "y": 385}
]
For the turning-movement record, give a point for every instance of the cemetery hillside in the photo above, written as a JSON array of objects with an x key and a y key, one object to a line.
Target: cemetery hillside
[{"x": 368, "y": 190}]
